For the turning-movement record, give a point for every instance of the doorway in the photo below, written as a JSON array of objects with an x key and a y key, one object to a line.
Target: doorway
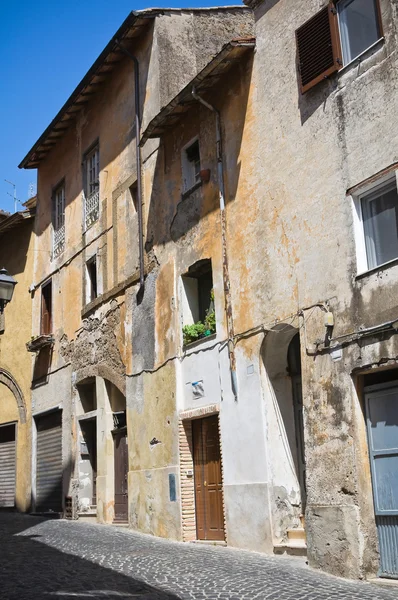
[
  {"x": 208, "y": 479},
  {"x": 88, "y": 463},
  {"x": 381, "y": 405},
  {"x": 121, "y": 474},
  {"x": 294, "y": 370},
  {"x": 7, "y": 465}
]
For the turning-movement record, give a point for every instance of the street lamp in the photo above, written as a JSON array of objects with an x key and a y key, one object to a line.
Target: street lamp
[{"x": 7, "y": 285}]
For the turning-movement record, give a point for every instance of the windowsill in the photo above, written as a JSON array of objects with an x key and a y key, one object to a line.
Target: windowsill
[
  {"x": 40, "y": 341},
  {"x": 383, "y": 267},
  {"x": 192, "y": 189},
  {"x": 365, "y": 54},
  {"x": 200, "y": 342}
]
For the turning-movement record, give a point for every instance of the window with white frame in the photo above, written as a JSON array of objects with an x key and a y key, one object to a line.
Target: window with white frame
[
  {"x": 58, "y": 202},
  {"x": 91, "y": 186},
  {"x": 191, "y": 165},
  {"x": 359, "y": 26},
  {"x": 376, "y": 223}
]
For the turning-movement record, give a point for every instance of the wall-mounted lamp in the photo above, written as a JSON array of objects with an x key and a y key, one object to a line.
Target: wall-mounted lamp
[{"x": 7, "y": 285}]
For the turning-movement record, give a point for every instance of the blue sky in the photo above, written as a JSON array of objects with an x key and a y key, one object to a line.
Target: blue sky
[{"x": 45, "y": 49}]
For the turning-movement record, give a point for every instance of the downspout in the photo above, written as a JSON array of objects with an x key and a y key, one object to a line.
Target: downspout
[
  {"x": 226, "y": 279},
  {"x": 137, "y": 109}
]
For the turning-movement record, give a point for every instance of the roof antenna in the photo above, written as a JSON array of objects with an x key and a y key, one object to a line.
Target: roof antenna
[{"x": 13, "y": 195}]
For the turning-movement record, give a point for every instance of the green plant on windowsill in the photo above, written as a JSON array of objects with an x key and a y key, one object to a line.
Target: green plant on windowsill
[{"x": 201, "y": 329}]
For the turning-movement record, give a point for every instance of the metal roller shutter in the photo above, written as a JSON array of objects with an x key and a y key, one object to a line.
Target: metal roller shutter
[
  {"x": 49, "y": 463},
  {"x": 7, "y": 466}
]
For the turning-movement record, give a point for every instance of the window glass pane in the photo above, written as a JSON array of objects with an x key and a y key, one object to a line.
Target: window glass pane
[
  {"x": 380, "y": 220},
  {"x": 359, "y": 26}
]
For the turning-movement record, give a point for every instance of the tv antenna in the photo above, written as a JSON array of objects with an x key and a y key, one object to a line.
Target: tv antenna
[{"x": 14, "y": 195}]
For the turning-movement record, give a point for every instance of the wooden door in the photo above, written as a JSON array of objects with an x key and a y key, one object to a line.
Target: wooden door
[
  {"x": 121, "y": 471},
  {"x": 208, "y": 480}
]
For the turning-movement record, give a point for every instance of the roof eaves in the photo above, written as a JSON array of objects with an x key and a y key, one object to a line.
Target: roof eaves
[
  {"x": 15, "y": 220},
  {"x": 212, "y": 71},
  {"x": 31, "y": 161}
]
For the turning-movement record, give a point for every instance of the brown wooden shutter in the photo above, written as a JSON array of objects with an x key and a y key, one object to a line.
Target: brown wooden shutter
[
  {"x": 318, "y": 47},
  {"x": 46, "y": 306}
]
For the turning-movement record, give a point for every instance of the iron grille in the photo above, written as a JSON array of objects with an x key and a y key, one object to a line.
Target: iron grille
[{"x": 91, "y": 209}]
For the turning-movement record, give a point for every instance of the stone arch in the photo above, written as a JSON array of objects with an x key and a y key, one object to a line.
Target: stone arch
[
  {"x": 104, "y": 371},
  {"x": 282, "y": 434},
  {"x": 8, "y": 380}
]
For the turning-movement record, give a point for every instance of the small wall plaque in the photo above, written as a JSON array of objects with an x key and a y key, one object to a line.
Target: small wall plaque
[{"x": 172, "y": 487}]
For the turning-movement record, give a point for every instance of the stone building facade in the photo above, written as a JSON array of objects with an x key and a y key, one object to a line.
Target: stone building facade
[
  {"x": 96, "y": 284},
  {"x": 223, "y": 332},
  {"x": 16, "y": 251}
]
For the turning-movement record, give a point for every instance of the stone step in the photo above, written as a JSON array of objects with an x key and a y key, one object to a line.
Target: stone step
[
  {"x": 88, "y": 515},
  {"x": 292, "y": 548},
  {"x": 297, "y": 533}
]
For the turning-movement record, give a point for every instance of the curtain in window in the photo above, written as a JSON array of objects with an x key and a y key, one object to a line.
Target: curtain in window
[{"x": 359, "y": 27}]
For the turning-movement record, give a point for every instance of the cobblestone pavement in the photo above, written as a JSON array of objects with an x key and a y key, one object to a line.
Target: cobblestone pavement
[{"x": 44, "y": 559}]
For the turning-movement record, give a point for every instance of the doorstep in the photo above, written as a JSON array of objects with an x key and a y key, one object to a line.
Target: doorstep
[
  {"x": 384, "y": 581},
  {"x": 221, "y": 543},
  {"x": 292, "y": 548}
]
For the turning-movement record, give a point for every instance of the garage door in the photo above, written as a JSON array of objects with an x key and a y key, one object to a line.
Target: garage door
[
  {"x": 7, "y": 466},
  {"x": 49, "y": 463}
]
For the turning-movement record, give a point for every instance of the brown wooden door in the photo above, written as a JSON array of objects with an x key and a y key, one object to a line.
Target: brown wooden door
[
  {"x": 121, "y": 471},
  {"x": 208, "y": 480}
]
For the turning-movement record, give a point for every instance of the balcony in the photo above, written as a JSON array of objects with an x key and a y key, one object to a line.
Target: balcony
[
  {"x": 58, "y": 241},
  {"x": 91, "y": 209}
]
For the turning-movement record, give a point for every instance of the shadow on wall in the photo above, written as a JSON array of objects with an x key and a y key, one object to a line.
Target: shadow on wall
[
  {"x": 173, "y": 214},
  {"x": 50, "y": 573}
]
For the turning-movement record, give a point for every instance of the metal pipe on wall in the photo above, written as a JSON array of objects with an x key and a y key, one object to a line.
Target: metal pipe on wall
[
  {"x": 226, "y": 279},
  {"x": 137, "y": 109}
]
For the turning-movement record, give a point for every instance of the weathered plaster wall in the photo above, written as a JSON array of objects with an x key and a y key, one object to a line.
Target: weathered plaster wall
[
  {"x": 16, "y": 248},
  {"x": 310, "y": 149},
  {"x": 129, "y": 331}
]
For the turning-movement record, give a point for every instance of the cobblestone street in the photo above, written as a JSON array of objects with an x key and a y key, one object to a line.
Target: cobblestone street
[{"x": 61, "y": 559}]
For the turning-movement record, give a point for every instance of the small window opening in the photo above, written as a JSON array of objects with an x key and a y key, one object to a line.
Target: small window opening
[
  {"x": 199, "y": 320},
  {"x": 46, "y": 309},
  {"x": 92, "y": 278},
  {"x": 191, "y": 165},
  {"x": 134, "y": 195}
]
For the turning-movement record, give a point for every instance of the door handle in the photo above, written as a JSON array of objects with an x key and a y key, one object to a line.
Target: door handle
[{"x": 205, "y": 483}]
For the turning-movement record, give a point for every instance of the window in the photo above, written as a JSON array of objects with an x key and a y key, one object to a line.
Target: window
[
  {"x": 335, "y": 36},
  {"x": 91, "y": 186},
  {"x": 358, "y": 25},
  {"x": 46, "y": 309},
  {"x": 198, "y": 302},
  {"x": 191, "y": 165},
  {"x": 376, "y": 225},
  {"x": 92, "y": 288},
  {"x": 380, "y": 223},
  {"x": 58, "y": 210},
  {"x": 134, "y": 195}
]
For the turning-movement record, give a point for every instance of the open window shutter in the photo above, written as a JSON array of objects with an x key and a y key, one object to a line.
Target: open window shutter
[
  {"x": 46, "y": 300},
  {"x": 318, "y": 47}
]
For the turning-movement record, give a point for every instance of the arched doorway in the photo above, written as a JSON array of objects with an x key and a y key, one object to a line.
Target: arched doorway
[{"x": 281, "y": 361}]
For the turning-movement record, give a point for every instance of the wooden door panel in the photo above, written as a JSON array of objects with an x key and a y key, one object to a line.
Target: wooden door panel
[
  {"x": 121, "y": 473},
  {"x": 208, "y": 479}
]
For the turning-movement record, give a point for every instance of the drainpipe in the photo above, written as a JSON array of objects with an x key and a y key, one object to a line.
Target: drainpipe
[
  {"x": 137, "y": 109},
  {"x": 226, "y": 279}
]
